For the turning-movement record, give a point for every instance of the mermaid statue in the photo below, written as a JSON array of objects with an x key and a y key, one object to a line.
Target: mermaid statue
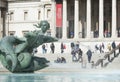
[{"x": 16, "y": 53}]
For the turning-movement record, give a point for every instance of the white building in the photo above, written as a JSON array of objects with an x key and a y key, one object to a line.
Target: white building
[
  {"x": 69, "y": 19},
  {"x": 23, "y": 15}
]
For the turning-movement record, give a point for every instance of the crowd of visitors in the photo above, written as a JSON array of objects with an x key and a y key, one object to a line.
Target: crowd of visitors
[{"x": 78, "y": 52}]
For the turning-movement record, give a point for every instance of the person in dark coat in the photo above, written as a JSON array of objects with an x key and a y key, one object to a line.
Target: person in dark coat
[
  {"x": 113, "y": 47},
  {"x": 73, "y": 53},
  {"x": 52, "y": 46},
  {"x": 80, "y": 55},
  {"x": 43, "y": 49},
  {"x": 89, "y": 54},
  {"x": 72, "y": 45},
  {"x": 62, "y": 48}
]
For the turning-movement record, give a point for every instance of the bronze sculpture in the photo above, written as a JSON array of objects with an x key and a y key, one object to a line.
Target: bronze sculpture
[{"x": 16, "y": 53}]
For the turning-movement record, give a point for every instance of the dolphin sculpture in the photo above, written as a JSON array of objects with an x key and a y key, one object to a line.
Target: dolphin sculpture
[{"x": 16, "y": 53}]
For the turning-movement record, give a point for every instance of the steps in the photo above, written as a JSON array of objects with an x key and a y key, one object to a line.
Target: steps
[{"x": 115, "y": 64}]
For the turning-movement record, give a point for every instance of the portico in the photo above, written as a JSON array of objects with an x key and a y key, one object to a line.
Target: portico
[
  {"x": 90, "y": 19},
  {"x": 3, "y": 9}
]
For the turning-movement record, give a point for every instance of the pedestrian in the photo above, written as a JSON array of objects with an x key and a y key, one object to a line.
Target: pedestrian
[
  {"x": 52, "y": 46},
  {"x": 96, "y": 47},
  {"x": 109, "y": 47},
  {"x": 113, "y": 47},
  {"x": 72, "y": 45},
  {"x": 46, "y": 47},
  {"x": 100, "y": 48},
  {"x": 73, "y": 53},
  {"x": 76, "y": 47},
  {"x": 62, "y": 48},
  {"x": 103, "y": 46},
  {"x": 43, "y": 49},
  {"x": 80, "y": 55},
  {"x": 89, "y": 54}
]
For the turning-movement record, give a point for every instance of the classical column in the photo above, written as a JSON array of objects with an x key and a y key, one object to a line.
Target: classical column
[
  {"x": 76, "y": 19},
  {"x": 42, "y": 12},
  {"x": 88, "y": 18},
  {"x": 101, "y": 18},
  {"x": 0, "y": 19},
  {"x": 0, "y": 25},
  {"x": 114, "y": 19},
  {"x": 4, "y": 23},
  {"x": 53, "y": 27},
  {"x": 64, "y": 27}
]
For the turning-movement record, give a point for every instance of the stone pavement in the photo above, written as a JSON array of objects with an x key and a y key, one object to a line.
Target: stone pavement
[
  {"x": 70, "y": 66},
  {"x": 77, "y": 66}
]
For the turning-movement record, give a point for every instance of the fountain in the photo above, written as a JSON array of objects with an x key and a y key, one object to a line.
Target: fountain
[{"x": 16, "y": 53}]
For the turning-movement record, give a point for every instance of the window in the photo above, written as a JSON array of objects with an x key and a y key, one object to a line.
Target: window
[
  {"x": 25, "y": 15},
  {"x": 39, "y": 13},
  {"x": 48, "y": 13}
]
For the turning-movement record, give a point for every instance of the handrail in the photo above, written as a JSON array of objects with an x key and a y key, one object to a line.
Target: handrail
[{"x": 107, "y": 55}]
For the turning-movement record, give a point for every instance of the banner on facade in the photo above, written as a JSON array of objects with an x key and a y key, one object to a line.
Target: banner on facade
[{"x": 58, "y": 15}]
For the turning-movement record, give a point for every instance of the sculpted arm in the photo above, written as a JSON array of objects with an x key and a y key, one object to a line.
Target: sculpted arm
[{"x": 49, "y": 39}]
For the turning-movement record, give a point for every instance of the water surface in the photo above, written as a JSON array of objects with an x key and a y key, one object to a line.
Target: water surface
[{"x": 59, "y": 77}]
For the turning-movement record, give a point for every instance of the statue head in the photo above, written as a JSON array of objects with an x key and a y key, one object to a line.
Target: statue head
[{"x": 44, "y": 25}]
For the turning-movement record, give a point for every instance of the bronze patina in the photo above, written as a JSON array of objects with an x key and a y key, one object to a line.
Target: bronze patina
[{"x": 16, "y": 53}]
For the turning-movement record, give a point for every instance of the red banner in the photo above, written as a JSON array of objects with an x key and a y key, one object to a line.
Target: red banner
[{"x": 58, "y": 15}]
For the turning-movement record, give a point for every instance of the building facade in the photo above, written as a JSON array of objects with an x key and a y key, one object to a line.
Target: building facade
[
  {"x": 69, "y": 19},
  {"x": 3, "y": 10},
  {"x": 23, "y": 14}
]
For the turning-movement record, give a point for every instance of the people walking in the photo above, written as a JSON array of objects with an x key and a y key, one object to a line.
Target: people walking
[
  {"x": 73, "y": 53},
  {"x": 113, "y": 47},
  {"x": 52, "y": 46},
  {"x": 100, "y": 48},
  {"x": 62, "y": 48},
  {"x": 72, "y": 45},
  {"x": 80, "y": 55},
  {"x": 89, "y": 54},
  {"x": 43, "y": 49},
  {"x": 109, "y": 47}
]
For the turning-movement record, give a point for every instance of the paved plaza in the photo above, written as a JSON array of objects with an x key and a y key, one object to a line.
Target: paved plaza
[{"x": 71, "y": 66}]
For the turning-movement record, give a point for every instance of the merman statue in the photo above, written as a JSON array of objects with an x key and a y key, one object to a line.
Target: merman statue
[{"x": 16, "y": 53}]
